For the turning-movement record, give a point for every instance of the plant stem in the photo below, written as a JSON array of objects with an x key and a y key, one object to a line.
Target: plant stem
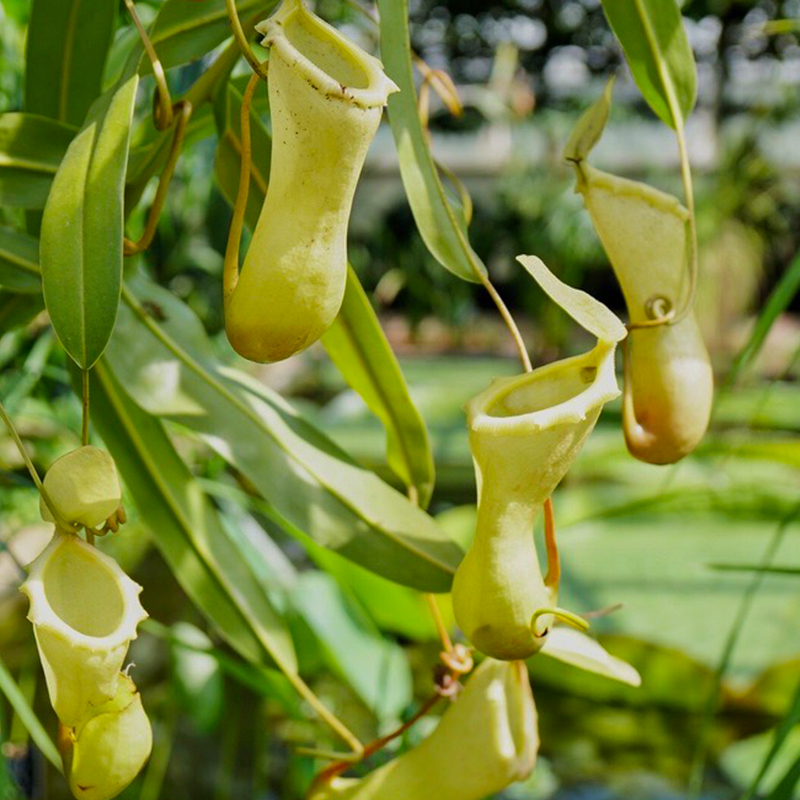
[
  {"x": 241, "y": 39},
  {"x": 85, "y": 407},
  {"x": 230, "y": 273},
  {"x": 509, "y": 321},
  {"x": 32, "y": 471},
  {"x": 447, "y": 642},
  {"x": 164, "y": 113}
]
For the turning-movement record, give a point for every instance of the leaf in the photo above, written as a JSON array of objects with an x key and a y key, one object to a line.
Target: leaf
[
  {"x": 590, "y": 126},
  {"x": 308, "y": 480},
  {"x": 186, "y": 528},
  {"x": 778, "y": 301},
  {"x": 18, "y": 309},
  {"x": 68, "y": 41},
  {"x": 227, "y": 163},
  {"x": 589, "y": 313},
  {"x": 377, "y": 669},
  {"x": 263, "y": 681},
  {"x": 27, "y": 716},
  {"x": 652, "y": 35},
  {"x": 438, "y": 223},
  {"x": 197, "y": 677},
  {"x": 782, "y": 733},
  {"x": 580, "y": 650},
  {"x": 743, "y": 761},
  {"x": 82, "y": 229},
  {"x": 357, "y": 345},
  {"x": 185, "y": 31},
  {"x": 31, "y": 148},
  {"x": 392, "y": 607},
  {"x": 19, "y": 262},
  {"x": 349, "y": 643}
]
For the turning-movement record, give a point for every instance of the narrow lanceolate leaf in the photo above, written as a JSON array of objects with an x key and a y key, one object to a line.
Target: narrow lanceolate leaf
[
  {"x": 31, "y": 148},
  {"x": 652, "y": 35},
  {"x": 68, "y": 41},
  {"x": 167, "y": 367},
  {"x": 19, "y": 261},
  {"x": 440, "y": 224},
  {"x": 356, "y": 344},
  {"x": 82, "y": 229},
  {"x": 186, "y": 527},
  {"x": 778, "y": 301}
]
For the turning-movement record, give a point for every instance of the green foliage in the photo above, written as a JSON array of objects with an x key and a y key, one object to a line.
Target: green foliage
[
  {"x": 438, "y": 221},
  {"x": 295, "y": 534},
  {"x": 82, "y": 228},
  {"x": 68, "y": 41},
  {"x": 651, "y": 33}
]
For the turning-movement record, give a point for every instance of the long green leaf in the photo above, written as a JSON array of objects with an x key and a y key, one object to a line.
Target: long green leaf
[
  {"x": 358, "y": 347},
  {"x": 166, "y": 366},
  {"x": 778, "y": 301},
  {"x": 355, "y": 342},
  {"x": 441, "y": 227},
  {"x": 68, "y": 41},
  {"x": 186, "y": 527},
  {"x": 31, "y": 148},
  {"x": 782, "y": 733},
  {"x": 785, "y": 790},
  {"x": 28, "y": 716},
  {"x": 19, "y": 261},
  {"x": 652, "y": 35},
  {"x": 82, "y": 229}
]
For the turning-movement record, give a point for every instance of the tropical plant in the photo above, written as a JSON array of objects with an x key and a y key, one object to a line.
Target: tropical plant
[{"x": 161, "y": 400}]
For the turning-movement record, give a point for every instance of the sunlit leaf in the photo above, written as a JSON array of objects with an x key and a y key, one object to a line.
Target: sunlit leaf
[
  {"x": 589, "y": 313},
  {"x": 580, "y": 650},
  {"x": 437, "y": 221},
  {"x": 357, "y": 345},
  {"x": 652, "y": 35}
]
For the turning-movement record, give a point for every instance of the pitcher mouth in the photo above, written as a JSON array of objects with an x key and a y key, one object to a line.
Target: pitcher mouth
[
  {"x": 332, "y": 64},
  {"x": 561, "y": 393},
  {"x": 106, "y": 610}
]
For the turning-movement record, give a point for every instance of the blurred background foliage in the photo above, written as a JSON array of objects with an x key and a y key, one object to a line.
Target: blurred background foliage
[{"x": 717, "y": 648}]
